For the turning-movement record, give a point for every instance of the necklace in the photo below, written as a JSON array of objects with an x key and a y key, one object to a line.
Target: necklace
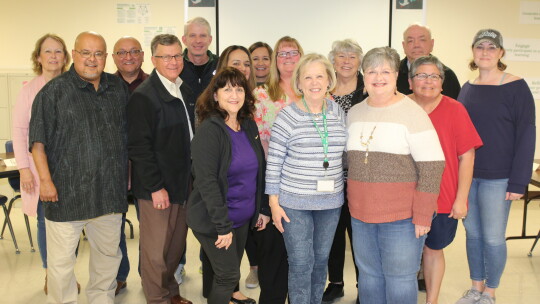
[{"x": 367, "y": 142}]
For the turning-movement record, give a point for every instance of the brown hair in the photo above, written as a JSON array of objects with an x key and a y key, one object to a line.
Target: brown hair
[
  {"x": 36, "y": 66},
  {"x": 500, "y": 65},
  {"x": 224, "y": 59},
  {"x": 207, "y": 106}
]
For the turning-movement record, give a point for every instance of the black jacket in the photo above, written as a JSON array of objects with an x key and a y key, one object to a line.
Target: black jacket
[
  {"x": 159, "y": 140},
  {"x": 211, "y": 152},
  {"x": 450, "y": 85},
  {"x": 189, "y": 74}
]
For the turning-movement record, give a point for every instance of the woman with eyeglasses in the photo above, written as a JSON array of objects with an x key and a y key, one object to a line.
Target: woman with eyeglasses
[
  {"x": 502, "y": 109},
  {"x": 49, "y": 59},
  {"x": 459, "y": 140},
  {"x": 395, "y": 166},
  {"x": 278, "y": 92}
]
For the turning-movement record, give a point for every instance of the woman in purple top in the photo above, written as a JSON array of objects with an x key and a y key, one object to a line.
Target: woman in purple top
[
  {"x": 501, "y": 107},
  {"x": 228, "y": 190}
]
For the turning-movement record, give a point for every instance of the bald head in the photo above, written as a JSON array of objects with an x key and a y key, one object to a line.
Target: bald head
[
  {"x": 126, "y": 40},
  {"x": 128, "y": 57},
  {"x": 417, "y": 41},
  {"x": 89, "y": 56}
]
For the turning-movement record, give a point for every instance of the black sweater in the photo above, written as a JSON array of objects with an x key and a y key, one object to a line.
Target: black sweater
[{"x": 211, "y": 153}]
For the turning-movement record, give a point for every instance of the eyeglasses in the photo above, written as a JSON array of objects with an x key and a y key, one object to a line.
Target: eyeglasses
[
  {"x": 424, "y": 76},
  {"x": 168, "y": 58},
  {"x": 289, "y": 53},
  {"x": 88, "y": 54},
  {"x": 134, "y": 53}
]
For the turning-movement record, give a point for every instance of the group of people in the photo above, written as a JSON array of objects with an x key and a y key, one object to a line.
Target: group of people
[{"x": 276, "y": 153}]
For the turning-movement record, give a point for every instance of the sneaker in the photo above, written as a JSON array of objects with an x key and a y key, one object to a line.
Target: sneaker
[
  {"x": 486, "y": 299},
  {"x": 470, "y": 296},
  {"x": 332, "y": 292},
  {"x": 179, "y": 273},
  {"x": 252, "y": 280}
]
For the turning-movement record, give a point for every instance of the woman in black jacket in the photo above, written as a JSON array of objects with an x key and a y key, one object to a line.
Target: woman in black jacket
[{"x": 228, "y": 190}]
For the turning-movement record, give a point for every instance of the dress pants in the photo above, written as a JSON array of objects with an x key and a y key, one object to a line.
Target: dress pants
[
  {"x": 273, "y": 265},
  {"x": 225, "y": 263},
  {"x": 103, "y": 234},
  {"x": 162, "y": 241}
]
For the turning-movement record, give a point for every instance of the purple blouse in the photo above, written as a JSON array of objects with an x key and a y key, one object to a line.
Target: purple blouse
[{"x": 242, "y": 179}]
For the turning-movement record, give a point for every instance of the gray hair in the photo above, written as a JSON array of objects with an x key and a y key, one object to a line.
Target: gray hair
[
  {"x": 310, "y": 58},
  {"x": 164, "y": 39},
  {"x": 199, "y": 21},
  {"x": 345, "y": 46},
  {"x": 378, "y": 56},
  {"x": 425, "y": 60},
  {"x": 417, "y": 25}
]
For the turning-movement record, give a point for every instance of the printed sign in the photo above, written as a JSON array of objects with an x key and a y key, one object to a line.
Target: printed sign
[{"x": 522, "y": 49}]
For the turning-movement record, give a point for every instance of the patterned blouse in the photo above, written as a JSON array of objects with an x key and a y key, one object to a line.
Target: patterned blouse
[{"x": 266, "y": 111}]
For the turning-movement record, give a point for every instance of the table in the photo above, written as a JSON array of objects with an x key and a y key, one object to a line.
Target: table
[
  {"x": 527, "y": 198},
  {"x": 8, "y": 171}
]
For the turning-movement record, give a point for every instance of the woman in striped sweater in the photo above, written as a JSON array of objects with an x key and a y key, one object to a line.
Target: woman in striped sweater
[
  {"x": 395, "y": 167},
  {"x": 304, "y": 176}
]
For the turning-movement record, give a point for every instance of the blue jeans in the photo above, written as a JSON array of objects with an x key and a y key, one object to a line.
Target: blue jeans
[
  {"x": 41, "y": 234},
  {"x": 123, "y": 270},
  {"x": 308, "y": 239},
  {"x": 485, "y": 228},
  {"x": 388, "y": 257}
]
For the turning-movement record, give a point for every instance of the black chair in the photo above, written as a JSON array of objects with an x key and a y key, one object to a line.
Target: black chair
[
  {"x": 3, "y": 201},
  {"x": 15, "y": 184}
]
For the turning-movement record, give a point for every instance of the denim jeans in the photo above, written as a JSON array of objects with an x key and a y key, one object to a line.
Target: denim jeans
[
  {"x": 308, "y": 239},
  {"x": 388, "y": 258},
  {"x": 123, "y": 270},
  {"x": 485, "y": 228},
  {"x": 41, "y": 234}
]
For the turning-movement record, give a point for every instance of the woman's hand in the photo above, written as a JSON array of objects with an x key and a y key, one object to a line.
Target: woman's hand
[
  {"x": 262, "y": 221},
  {"x": 277, "y": 213},
  {"x": 27, "y": 180},
  {"x": 421, "y": 230},
  {"x": 459, "y": 210},
  {"x": 510, "y": 196},
  {"x": 224, "y": 241}
]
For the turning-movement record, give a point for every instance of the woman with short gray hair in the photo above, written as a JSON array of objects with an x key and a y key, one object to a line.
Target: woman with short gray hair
[
  {"x": 346, "y": 56},
  {"x": 395, "y": 168}
]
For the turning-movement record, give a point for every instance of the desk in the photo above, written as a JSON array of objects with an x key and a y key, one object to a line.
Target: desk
[
  {"x": 527, "y": 198},
  {"x": 8, "y": 171}
]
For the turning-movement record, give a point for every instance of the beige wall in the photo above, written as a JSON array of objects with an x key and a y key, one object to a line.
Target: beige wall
[{"x": 22, "y": 22}]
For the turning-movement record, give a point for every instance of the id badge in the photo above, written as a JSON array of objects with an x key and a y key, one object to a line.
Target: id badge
[{"x": 325, "y": 185}]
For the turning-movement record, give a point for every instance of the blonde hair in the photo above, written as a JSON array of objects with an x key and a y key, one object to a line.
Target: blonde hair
[
  {"x": 36, "y": 66},
  {"x": 274, "y": 90},
  {"x": 309, "y": 59}
]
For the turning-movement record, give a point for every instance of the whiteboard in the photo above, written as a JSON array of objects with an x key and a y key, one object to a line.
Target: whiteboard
[{"x": 314, "y": 23}]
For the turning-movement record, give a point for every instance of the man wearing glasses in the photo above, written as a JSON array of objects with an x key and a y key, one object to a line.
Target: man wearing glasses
[
  {"x": 128, "y": 57},
  {"x": 78, "y": 142},
  {"x": 160, "y": 128}
]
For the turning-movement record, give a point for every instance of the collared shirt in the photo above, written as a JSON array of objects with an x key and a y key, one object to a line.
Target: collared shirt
[
  {"x": 174, "y": 89},
  {"x": 84, "y": 133},
  {"x": 135, "y": 83}
]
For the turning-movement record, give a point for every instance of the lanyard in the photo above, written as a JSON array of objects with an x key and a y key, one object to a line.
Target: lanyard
[{"x": 323, "y": 136}]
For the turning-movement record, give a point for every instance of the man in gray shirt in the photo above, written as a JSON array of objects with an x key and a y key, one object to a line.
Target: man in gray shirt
[{"x": 78, "y": 141}]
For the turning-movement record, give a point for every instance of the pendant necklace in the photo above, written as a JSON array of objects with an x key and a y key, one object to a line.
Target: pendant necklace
[{"x": 367, "y": 142}]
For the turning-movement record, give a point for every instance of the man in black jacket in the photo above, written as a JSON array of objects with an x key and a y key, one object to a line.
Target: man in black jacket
[
  {"x": 417, "y": 42},
  {"x": 199, "y": 63},
  {"x": 160, "y": 129}
]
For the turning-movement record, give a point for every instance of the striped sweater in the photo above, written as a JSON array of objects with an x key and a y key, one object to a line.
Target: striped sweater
[
  {"x": 404, "y": 165},
  {"x": 295, "y": 158}
]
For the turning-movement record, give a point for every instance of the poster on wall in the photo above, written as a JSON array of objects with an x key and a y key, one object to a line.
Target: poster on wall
[
  {"x": 534, "y": 85},
  {"x": 409, "y": 4},
  {"x": 132, "y": 13},
  {"x": 529, "y": 12},
  {"x": 151, "y": 31},
  {"x": 522, "y": 49},
  {"x": 202, "y": 3}
]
